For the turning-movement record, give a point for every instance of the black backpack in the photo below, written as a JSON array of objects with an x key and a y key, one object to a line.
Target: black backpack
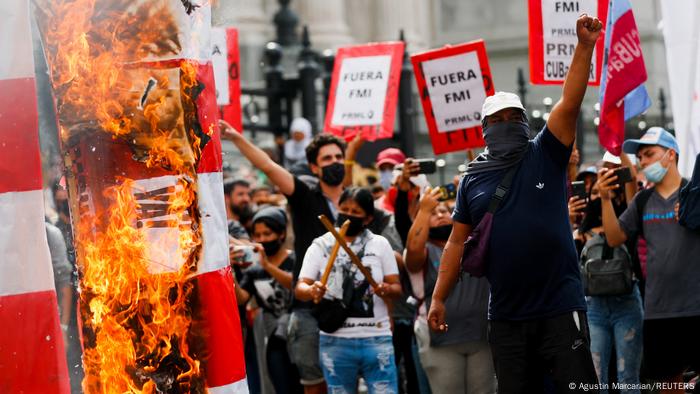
[{"x": 606, "y": 271}]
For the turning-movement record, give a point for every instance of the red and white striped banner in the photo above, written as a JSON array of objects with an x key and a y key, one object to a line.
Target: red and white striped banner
[
  {"x": 32, "y": 357},
  {"x": 98, "y": 162}
]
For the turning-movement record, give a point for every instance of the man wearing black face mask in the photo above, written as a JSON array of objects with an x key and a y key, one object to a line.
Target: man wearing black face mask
[
  {"x": 326, "y": 156},
  {"x": 459, "y": 360},
  {"x": 537, "y": 319}
]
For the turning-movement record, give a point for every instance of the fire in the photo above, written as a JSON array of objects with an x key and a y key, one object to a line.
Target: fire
[{"x": 137, "y": 244}]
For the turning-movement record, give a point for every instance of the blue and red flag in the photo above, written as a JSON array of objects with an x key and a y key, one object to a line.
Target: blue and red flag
[{"x": 622, "y": 91}]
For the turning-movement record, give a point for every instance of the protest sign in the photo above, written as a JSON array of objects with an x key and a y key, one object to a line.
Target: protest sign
[
  {"x": 225, "y": 60},
  {"x": 364, "y": 90},
  {"x": 453, "y": 83},
  {"x": 553, "y": 38}
]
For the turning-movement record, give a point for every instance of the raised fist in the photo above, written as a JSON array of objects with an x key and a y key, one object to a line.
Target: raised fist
[{"x": 588, "y": 29}]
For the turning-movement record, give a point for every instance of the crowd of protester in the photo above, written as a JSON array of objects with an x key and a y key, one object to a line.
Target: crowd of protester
[{"x": 400, "y": 229}]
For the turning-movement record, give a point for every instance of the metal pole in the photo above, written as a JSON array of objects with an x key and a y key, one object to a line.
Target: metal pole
[
  {"x": 308, "y": 72},
  {"x": 662, "y": 107},
  {"x": 328, "y": 60},
  {"x": 285, "y": 21},
  {"x": 273, "y": 84},
  {"x": 522, "y": 87},
  {"x": 407, "y": 137}
]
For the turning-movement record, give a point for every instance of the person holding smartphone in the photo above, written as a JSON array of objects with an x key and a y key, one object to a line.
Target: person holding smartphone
[
  {"x": 270, "y": 282},
  {"x": 672, "y": 296},
  {"x": 458, "y": 360}
]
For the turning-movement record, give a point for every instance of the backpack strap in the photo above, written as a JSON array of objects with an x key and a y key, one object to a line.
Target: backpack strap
[
  {"x": 502, "y": 190},
  {"x": 641, "y": 202}
]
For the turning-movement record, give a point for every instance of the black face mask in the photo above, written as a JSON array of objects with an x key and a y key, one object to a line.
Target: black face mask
[
  {"x": 272, "y": 247},
  {"x": 333, "y": 174},
  {"x": 506, "y": 140},
  {"x": 440, "y": 233},
  {"x": 593, "y": 215},
  {"x": 356, "y": 224}
]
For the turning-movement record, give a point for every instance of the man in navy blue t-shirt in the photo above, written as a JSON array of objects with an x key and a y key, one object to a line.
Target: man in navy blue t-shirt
[{"x": 537, "y": 320}]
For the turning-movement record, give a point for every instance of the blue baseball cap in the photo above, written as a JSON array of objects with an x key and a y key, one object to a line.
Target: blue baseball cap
[{"x": 653, "y": 136}]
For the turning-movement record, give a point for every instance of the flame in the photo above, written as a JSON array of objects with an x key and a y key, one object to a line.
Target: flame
[{"x": 136, "y": 322}]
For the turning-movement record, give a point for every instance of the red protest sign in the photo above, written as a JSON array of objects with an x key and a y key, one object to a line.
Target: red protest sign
[
  {"x": 553, "y": 38},
  {"x": 226, "y": 61},
  {"x": 364, "y": 90},
  {"x": 453, "y": 83}
]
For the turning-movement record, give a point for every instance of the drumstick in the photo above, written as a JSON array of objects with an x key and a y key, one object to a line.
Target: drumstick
[
  {"x": 356, "y": 260},
  {"x": 334, "y": 254}
]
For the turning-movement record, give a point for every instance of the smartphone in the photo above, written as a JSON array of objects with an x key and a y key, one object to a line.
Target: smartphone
[
  {"x": 579, "y": 189},
  {"x": 427, "y": 166},
  {"x": 447, "y": 192},
  {"x": 624, "y": 175}
]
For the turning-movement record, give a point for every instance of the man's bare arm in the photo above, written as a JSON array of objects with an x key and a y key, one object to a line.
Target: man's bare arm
[
  {"x": 276, "y": 173},
  {"x": 562, "y": 120}
]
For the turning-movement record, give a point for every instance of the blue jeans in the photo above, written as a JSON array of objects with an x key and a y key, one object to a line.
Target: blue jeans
[
  {"x": 344, "y": 359},
  {"x": 619, "y": 319}
]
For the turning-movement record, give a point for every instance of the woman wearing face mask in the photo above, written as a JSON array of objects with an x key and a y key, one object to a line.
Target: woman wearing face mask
[
  {"x": 612, "y": 319},
  {"x": 457, "y": 360},
  {"x": 362, "y": 346},
  {"x": 270, "y": 283}
]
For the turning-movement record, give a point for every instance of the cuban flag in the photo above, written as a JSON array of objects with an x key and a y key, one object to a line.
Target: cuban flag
[
  {"x": 622, "y": 91},
  {"x": 32, "y": 357}
]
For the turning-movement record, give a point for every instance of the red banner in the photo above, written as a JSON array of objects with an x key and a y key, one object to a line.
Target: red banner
[
  {"x": 553, "y": 38},
  {"x": 226, "y": 61},
  {"x": 453, "y": 83},
  {"x": 364, "y": 90}
]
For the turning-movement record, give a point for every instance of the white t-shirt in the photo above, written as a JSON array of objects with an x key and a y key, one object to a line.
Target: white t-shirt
[{"x": 367, "y": 313}]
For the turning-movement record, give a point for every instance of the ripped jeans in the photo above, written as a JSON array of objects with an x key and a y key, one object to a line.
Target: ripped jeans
[
  {"x": 617, "y": 320},
  {"x": 344, "y": 359}
]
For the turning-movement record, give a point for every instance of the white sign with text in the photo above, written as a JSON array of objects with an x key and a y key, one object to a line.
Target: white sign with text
[
  {"x": 219, "y": 61},
  {"x": 559, "y": 35},
  {"x": 456, "y": 90},
  {"x": 361, "y": 91}
]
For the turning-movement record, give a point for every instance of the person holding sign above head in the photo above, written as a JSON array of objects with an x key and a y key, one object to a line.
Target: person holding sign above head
[
  {"x": 537, "y": 311},
  {"x": 326, "y": 155}
]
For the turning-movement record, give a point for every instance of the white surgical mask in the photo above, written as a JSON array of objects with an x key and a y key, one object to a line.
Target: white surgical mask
[
  {"x": 655, "y": 173},
  {"x": 385, "y": 178}
]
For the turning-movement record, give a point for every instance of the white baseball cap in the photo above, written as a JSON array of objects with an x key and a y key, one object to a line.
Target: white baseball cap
[{"x": 499, "y": 101}]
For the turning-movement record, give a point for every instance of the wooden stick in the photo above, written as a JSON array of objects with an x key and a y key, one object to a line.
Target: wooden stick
[
  {"x": 470, "y": 155},
  {"x": 334, "y": 254},
  {"x": 356, "y": 260}
]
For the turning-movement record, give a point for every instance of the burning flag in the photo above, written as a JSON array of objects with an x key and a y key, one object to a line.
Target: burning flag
[
  {"x": 32, "y": 358},
  {"x": 622, "y": 92},
  {"x": 137, "y": 122}
]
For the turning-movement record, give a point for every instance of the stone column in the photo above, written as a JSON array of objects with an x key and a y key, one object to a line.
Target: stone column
[
  {"x": 327, "y": 22},
  {"x": 394, "y": 15},
  {"x": 255, "y": 29}
]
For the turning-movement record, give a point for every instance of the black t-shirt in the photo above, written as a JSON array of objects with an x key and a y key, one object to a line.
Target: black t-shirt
[
  {"x": 532, "y": 262},
  {"x": 306, "y": 204},
  {"x": 269, "y": 293}
]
